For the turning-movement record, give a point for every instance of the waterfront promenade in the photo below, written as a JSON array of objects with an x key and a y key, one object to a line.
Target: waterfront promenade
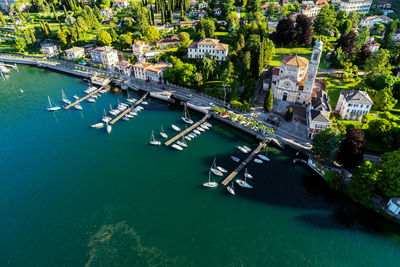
[{"x": 195, "y": 100}]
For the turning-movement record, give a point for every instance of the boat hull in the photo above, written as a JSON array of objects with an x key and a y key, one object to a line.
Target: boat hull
[{"x": 210, "y": 184}]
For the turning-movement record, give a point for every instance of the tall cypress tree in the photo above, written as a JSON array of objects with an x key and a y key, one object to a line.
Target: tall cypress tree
[
  {"x": 261, "y": 58},
  {"x": 152, "y": 14}
]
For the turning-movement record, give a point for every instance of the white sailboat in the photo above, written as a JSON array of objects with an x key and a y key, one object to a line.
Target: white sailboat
[
  {"x": 200, "y": 129},
  {"x": 91, "y": 100},
  {"x": 108, "y": 128},
  {"x": 205, "y": 127},
  {"x": 259, "y": 161},
  {"x": 153, "y": 140},
  {"x": 209, "y": 125},
  {"x": 176, "y": 128},
  {"x": 264, "y": 157},
  {"x": 231, "y": 189},
  {"x": 76, "y": 97},
  {"x": 105, "y": 118},
  {"x": 78, "y": 107},
  {"x": 247, "y": 175},
  {"x": 188, "y": 138},
  {"x": 51, "y": 106},
  {"x": 242, "y": 149},
  {"x": 186, "y": 117},
  {"x": 97, "y": 125},
  {"x": 64, "y": 98},
  {"x": 247, "y": 148},
  {"x": 162, "y": 133},
  {"x": 215, "y": 170},
  {"x": 210, "y": 184},
  {"x": 182, "y": 143},
  {"x": 177, "y": 147},
  {"x": 222, "y": 169},
  {"x": 196, "y": 132}
]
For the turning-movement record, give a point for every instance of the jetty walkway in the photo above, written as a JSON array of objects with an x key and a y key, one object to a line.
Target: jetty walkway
[
  {"x": 179, "y": 135},
  {"x": 128, "y": 109},
  {"x": 244, "y": 163},
  {"x": 86, "y": 96}
]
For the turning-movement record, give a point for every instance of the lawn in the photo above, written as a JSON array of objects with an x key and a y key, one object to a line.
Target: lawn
[
  {"x": 221, "y": 33},
  {"x": 334, "y": 87},
  {"x": 276, "y": 60},
  {"x": 305, "y": 51}
]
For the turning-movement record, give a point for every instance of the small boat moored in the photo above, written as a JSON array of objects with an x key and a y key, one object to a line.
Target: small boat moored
[
  {"x": 235, "y": 159},
  {"x": 162, "y": 133},
  {"x": 52, "y": 107},
  {"x": 214, "y": 169},
  {"x": 78, "y": 107},
  {"x": 196, "y": 132},
  {"x": 177, "y": 147},
  {"x": 210, "y": 184},
  {"x": 259, "y": 161},
  {"x": 97, "y": 125},
  {"x": 231, "y": 189},
  {"x": 153, "y": 141},
  {"x": 108, "y": 128},
  {"x": 242, "y": 149},
  {"x": 176, "y": 128}
]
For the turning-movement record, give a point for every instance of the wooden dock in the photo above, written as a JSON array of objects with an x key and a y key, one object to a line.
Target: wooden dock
[
  {"x": 244, "y": 163},
  {"x": 128, "y": 109},
  {"x": 179, "y": 135},
  {"x": 85, "y": 97}
]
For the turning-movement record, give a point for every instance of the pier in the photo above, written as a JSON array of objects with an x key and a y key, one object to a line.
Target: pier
[
  {"x": 179, "y": 135},
  {"x": 128, "y": 109},
  {"x": 244, "y": 163},
  {"x": 85, "y": 97}
]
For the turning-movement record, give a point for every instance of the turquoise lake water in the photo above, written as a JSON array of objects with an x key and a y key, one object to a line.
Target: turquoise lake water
[{"x": 71, "y": 195}]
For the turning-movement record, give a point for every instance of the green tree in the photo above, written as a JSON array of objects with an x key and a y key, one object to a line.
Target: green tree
[
  {"x": 247, "y": 62},
  {"x": 345, "y": 27},
  {"x": 384, "y": 100},
  {"x": 233, "y": 21},
  {"x": 326, "y": 143},
  {"x": 389, "y": 179},
  {"x": 151, "y": 34},
  {"x": 104, "y": 38},
  {"x": 363, "y": 181},
  {"x": 125, "y": 40},
  {"x": 20, "y": 44},
  {"x": 184, "y": 39},
  {"x": 390, "y": 29},
  {"x": 354, "y": 17},
  {"x": 269, "y": 101},
  {"x": 105, "y": 3},
  {"x": 228, "y": 75},
  {"x": 325, "y": 20},
  {"x": 2, "y": 19},
  {"x": 289, "y": 114},
  {"x": 338, "y": 58},
  {"x": 207, "y": 67}
]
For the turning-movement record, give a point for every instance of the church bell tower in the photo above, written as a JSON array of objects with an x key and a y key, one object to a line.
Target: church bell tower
[{"x": 312, "y": 71}]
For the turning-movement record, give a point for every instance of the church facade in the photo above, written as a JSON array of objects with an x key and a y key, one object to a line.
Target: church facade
[{"x": 293, "y": 81}]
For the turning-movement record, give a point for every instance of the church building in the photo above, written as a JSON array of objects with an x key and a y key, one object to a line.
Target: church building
[{"x": 293, "y": 81}]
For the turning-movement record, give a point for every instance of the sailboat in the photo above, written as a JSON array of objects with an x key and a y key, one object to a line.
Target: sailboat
[
  {"x": 76, "y": 97},
  {"x": 188, "y": 138},
  {"x": 243, "y": 183},
  {"x": 258, "y": 161},
  {"x": 196, "y": 132},
  {"x": 52, "y": 107},
  {"x": 97, "y": 125},
  {"x": 209, "y": 125},
  {"x": 153, "y": 140},
  {"x": 64, "y": 98},
  {"x": 78, "y": 107},
  {"x": 162, "y": 133},
  {"x": 205, "y": 127},
  {"x": 209, "y": 183},
  {"x": 242, "y": 149},
  {"x": 108, "y": 128},
  {"x": 222, "y": 169},
  {"x": 177, "y": 147},
  {"x": 186, "y": 117},
  {"x": 215, "y": 170},
  {"x": 247, "y": 175},
  {"x": 247, "y": 148},
  {"x": 182, "y": 143},
  {"x": 176, "y": 128},
  {"x": 231, "y": 189},
  {"x": 105, "y": 118},
  {"x": 91, "y": 100}
]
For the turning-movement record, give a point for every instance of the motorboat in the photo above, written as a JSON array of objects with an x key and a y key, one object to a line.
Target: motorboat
[
  {"x": 186, "y": 116},
  {"x": 51, "y": 106},
  {"x": 205, "y": 127},
  {"x": 196, "y": 132},
  {"x": 177, "y": 147},
  {"x": 247, "y": 148},
  {"x": 97, "y": 125},
  {"x": 131, "y": 100},
  {"x": 95, "y": 96},
  {"x": 215, "y": 170},
  {"x": 102, "y": 91},
  {"x": 231, "y": 189},
  {"x": 162, "y": 133},
  {"x": 78, "y": 107},
  {"x": 200, "y": 129},
  {"x": 176, "y": 128},
  {"x": 182, "y": 143},
  {"x": 105, "y": 118},
  {"x": 125, "y": 118},
  {"x": 194, "y": 135},
  {"x": 145, "y": 103},
  {"x": 264, "y": 157},
  {"x": 191, "y": 135},
  {"x": 187, "y": 137},
  {"x": 209, "y": 125},
  {"x": 235, "y": 159},
  {"x": 140, "y": 108},
  {"x": 76, "y": 97},
  {"x": 133, "y": 113},
  {"x": 210, "y": 184},
  {"x": 64, "y": 98},
  {"x": 153, "y": 140},
  {"x": 259, "y": 161},
  {"x": 108, "y": 128},
  {"x": 247, "y": 175},
  {"x": 129, "y": 116},
  {"x": 221, "y": 169},
  {"x": 242, "y": 149},
  {"x": 91, "y": 100}
]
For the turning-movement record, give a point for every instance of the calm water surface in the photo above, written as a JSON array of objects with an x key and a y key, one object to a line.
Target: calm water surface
[{"x": 75, "y": 196}]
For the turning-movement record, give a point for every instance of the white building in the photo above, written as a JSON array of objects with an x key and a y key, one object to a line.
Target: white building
[
  {"x": 120, "y": 3},
  {"x": 172, "y": 41},
  {"x": 294, "y": 80},
  {"x": 318, "y": 113},
  {"x": 373, "y": 46},
  {"x": 209, "y": 46},
  {"x": 155, "y": 73},
  {"x": 384, "y": 6},
  {"x": 311, "y": 9},
  {"x": 139, "y": 70},
  {"x": 218, "y": 12},
  {"x": 203, "y": 5},
  {"x": 105, "y": 55},
  {"x": 359, "y": 6},
  {"x": 49, "y": 49},
  {"x": 396, "y": 36},
  {"x": 370, "y": 21},
  {"x": 353, "y": 104},
  {"x": 394, "y": 205},
  {"x": 75, "y": 53},
  {"x": 106, "y": 13}
]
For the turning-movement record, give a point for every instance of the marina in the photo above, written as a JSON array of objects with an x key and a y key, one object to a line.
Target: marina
[
  {"x": 129, "y": 109},
  {"x": 176, "y": 137},
  {"x": 86, "y": 96}
]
